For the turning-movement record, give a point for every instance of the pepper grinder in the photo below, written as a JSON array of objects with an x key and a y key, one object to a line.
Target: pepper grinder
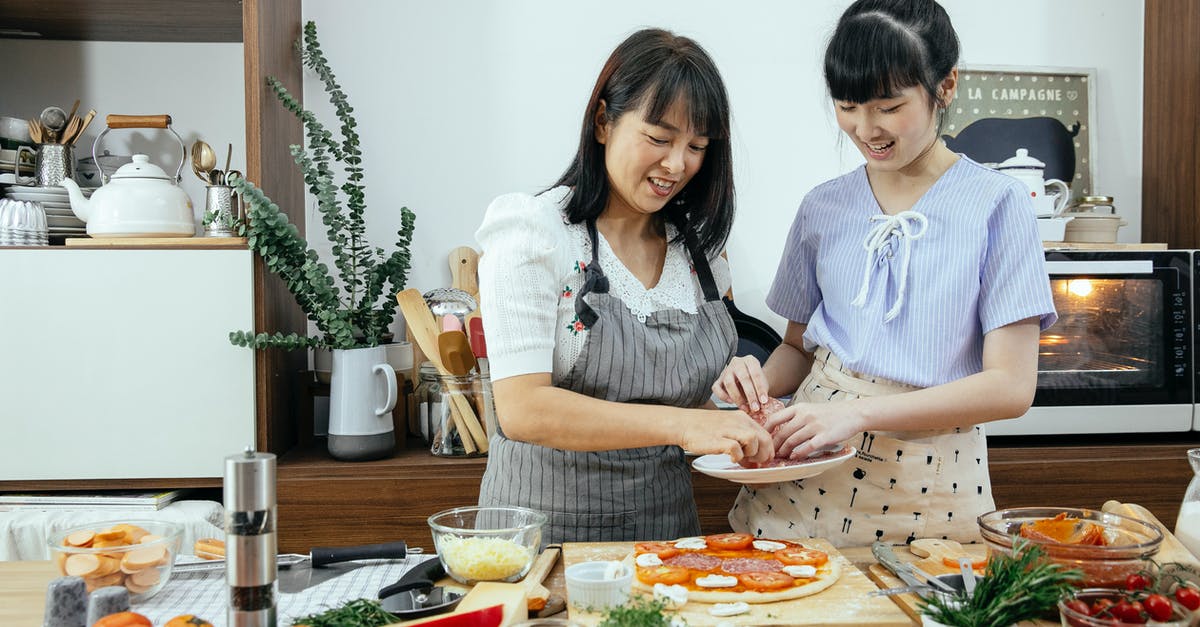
[{"x": 250, "y": 545}]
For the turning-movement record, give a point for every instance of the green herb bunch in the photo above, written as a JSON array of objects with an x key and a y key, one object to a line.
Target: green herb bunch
[
  {"x": 356, "y": 313},
  {"x": 1014, "y": 588},
  {"x": 358, "y": 613},
  {"x": 640, "y": 611}
]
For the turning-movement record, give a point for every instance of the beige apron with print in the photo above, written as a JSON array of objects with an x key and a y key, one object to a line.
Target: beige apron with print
[{"x": 899, "y": 486}]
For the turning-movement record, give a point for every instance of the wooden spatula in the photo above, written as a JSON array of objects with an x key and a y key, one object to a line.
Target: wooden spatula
[
  {"x": 535, "y": 593},
  {"x": 464, "y": 269},
  {"x": 455, "y": 352}
]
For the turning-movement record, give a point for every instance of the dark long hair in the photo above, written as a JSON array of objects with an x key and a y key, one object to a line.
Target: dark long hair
[
  {"x": 656, "y": 68},
  {"x": 881, "y": 47}
]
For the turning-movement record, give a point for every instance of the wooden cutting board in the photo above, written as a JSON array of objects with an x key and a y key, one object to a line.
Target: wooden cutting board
[
  {"x": 205, "y": 243},
  {"x": 844, "y": 603}
]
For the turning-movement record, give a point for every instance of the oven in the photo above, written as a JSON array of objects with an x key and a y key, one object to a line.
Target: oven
[{"x": 1119, "y": 359}]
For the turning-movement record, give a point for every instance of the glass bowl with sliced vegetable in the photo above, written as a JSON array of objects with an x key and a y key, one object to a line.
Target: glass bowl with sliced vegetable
[
  {"x": 487, "y": 543},
  {"x": 136, "y": 554},
  {"x": 1106, "y": 547}
]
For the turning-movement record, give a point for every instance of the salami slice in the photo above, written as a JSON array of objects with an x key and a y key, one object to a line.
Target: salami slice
[
  {"x": 694, "y": 561},
  {"x": 740, "y": 565}
]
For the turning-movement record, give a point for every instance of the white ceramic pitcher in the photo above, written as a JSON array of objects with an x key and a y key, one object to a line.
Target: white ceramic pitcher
[
  {"x": 1030, "y": 171},
  {"x": 362, "y": 393}
]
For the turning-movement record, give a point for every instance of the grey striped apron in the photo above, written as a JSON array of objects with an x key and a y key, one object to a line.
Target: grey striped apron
[{"x": 669, "y": 358}]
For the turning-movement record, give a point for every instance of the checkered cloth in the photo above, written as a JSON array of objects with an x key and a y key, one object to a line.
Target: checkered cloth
[{"x": 205, "y": 593}]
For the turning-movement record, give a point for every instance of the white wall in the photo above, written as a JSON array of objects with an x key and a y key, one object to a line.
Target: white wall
[
  {"x": 459, "y": 102},
  {"x": 200, "y": 85}
]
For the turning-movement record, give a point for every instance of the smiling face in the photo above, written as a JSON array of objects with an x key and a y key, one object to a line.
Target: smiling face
[
  {"x": 890, "y": 132},
  {"x": 648, "y": 164}
]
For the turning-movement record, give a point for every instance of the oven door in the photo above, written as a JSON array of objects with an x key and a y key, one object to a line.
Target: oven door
[{"x": 1119, "y": 359}]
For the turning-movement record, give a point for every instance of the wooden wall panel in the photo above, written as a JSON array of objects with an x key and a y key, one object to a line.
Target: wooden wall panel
[
  {"x": 271, "y": 28},
  {"x": 1171, "y": 124}
]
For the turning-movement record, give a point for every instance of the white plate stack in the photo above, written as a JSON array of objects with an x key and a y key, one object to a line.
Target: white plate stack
[{"x": 60, "y": 219}]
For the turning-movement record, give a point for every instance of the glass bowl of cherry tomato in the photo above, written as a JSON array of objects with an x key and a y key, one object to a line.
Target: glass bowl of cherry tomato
[{"x": 1098, "y": 607}]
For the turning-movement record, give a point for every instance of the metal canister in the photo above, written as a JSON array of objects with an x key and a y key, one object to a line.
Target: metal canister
[{"x": 250, "y": 542}]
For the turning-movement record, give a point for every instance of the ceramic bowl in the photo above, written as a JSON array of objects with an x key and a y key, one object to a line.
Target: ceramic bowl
[
  {"x": 598, "y": 585},
  {"x": 136, "y": 554},
  {"x": 1129, "y": 542},
  {"x": 15, "y": 129},
  {"x": 487, "y": 543}
]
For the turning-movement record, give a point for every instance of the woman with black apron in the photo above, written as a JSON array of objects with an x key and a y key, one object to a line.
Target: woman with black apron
[{"x": 601, "y": 304}]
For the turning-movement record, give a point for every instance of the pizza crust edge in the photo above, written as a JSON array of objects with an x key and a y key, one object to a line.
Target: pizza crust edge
[{"x": 752, "y": 597}]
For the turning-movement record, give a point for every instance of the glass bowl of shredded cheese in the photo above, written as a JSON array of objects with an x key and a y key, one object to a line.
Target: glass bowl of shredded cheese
[{"x": 487, "y": 543}]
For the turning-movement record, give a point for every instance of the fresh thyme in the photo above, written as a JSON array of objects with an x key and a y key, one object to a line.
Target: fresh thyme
[
  {"x": 640, "y": 611},
  {"x": 358, "y": 613},
  {"x": 1014, "y": 588}
]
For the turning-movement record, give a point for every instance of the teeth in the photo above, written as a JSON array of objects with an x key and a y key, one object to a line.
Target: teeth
[
  {"x": 663, "y": 184},
  {"x": 880, "y": 147}
]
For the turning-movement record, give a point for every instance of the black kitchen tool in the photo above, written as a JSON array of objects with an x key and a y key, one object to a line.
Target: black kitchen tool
[
  {"x": 755, "y": 337},
  {"x": 326, "y": 562},
  {"x": 416, "y": 594}
]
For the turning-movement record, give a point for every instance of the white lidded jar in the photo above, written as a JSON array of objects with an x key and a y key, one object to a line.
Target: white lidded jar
[{"x": 1187, "y": 526}]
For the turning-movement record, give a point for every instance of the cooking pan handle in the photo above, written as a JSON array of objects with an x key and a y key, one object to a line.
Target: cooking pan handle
[
  {"x": 418, "y": 577},
  {"x": 323, "y": 555},
  {"x": 139, "y": 121}
]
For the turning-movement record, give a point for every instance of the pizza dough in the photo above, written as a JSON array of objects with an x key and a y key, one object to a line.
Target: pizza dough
[{"x": 716, "y": 560}]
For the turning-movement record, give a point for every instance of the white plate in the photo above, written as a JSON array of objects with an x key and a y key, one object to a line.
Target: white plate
[
  {"x": 722, "y": 467},
  {"x": 58, "y": 211},
  {"x": 43, "y": 193},
  {"x": 57, "y": 221}
]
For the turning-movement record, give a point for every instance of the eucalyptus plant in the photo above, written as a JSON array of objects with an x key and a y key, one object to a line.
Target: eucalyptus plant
[{"x": 355, "y": 310}]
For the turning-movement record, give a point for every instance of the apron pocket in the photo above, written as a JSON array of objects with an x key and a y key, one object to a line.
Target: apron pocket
[{"x": 598, "y": 527}]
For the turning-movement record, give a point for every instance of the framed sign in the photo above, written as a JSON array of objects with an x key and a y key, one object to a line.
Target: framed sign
[{"x": 1048, "y": 111}]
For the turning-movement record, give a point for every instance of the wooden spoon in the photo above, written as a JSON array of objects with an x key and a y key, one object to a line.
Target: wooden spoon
[
  {"x": 536, "y": 594},
  {"x": 35, "y": 132},
  {"x": 419, "y": 321}
]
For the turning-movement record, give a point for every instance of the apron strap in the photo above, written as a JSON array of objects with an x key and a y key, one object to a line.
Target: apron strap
[
  {"x": 593, "y": 280},
  {"x": 703, "y": 271}
]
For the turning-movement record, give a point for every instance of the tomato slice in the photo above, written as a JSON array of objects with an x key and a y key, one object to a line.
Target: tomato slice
[
  {"x": 800, "y": 556},
  {"x": 978, "y": 564},
  {"x": 730, "y": 541},
  {"x": 664, "y": 550},
  {"x": 766, "y": 581},
  {"x": 664, "y": 574}
]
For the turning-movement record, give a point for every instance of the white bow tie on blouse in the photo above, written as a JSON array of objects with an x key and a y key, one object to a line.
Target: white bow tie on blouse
[{"x": 906, "y": 226}]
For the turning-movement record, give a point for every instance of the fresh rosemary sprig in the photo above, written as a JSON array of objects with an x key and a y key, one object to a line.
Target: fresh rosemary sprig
[
  {"x": 1014, "y": 588},
  {"x": 358, "y": 613}
]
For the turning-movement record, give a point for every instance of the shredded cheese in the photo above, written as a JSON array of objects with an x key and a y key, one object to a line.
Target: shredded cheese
[{"x": 484, "y": 559}]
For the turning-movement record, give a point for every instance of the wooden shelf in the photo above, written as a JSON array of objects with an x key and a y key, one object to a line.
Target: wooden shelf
[{"x": 123, "y": 20}]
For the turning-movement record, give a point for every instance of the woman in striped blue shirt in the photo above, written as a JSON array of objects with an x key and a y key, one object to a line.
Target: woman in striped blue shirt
[{"x": 915, "y": 290}]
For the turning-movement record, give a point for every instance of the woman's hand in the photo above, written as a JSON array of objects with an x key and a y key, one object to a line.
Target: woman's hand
[
  {"x": 743, "y": 383},
  {"x": 805, "y": 428},
  {"x": 730, "y": 432}
]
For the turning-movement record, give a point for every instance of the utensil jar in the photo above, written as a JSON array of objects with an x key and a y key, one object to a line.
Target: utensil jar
[
  {"x": 55, "y": 162},
  {"x": 434, "y": 397},
  {"x": 220, "y": 213}
]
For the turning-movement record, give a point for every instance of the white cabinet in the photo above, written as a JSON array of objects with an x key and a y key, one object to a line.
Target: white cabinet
[{"x": 116, "y": 364}]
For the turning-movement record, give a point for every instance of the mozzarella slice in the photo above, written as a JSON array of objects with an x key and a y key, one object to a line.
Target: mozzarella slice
[
  {"x": 646, "y": 560},
  {"x": 767, "y": 545},
  {"x": 691, "y": 543},
  {"x": 675, "y": 595},
  {"x": 801, "y": 572},
  {"x": 716, "y": 581},
  {"x": 729, "y": 609}
]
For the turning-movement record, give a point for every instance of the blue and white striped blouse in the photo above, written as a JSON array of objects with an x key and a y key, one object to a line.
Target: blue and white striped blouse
[{"x": 914, "y": 307}]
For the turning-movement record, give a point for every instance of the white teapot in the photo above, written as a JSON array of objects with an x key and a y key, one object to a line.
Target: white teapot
[
  {"x": 139, "y": 199},
  {"x": 1029, "y": 170}
]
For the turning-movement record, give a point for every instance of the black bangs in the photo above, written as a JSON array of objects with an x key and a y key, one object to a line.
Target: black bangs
[
  {"x": 706, "y": 102},
  {"x": 872, "y": 57}
]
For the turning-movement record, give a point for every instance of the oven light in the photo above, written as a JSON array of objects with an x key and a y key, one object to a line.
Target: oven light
[{"x": 1079, "y": 287}]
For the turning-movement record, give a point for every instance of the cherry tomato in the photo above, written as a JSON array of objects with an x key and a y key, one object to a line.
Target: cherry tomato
[
  {"x": 1102, "y": 605},
  {"x": 1188, "y": 597},
  {"x": 664, "y": 550},
  {"x": 1158, "y": 607},
  {"x": 1128, "y": 611},
  {"x": 730, "y": 541},
  {"x": 766, "y": 581},
  {"x": 1137, "y": 581},
  {"x": 796, "y": 556},
  {"x": 1079, "y": 606},
  {"x": 665, "y": 574}
]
